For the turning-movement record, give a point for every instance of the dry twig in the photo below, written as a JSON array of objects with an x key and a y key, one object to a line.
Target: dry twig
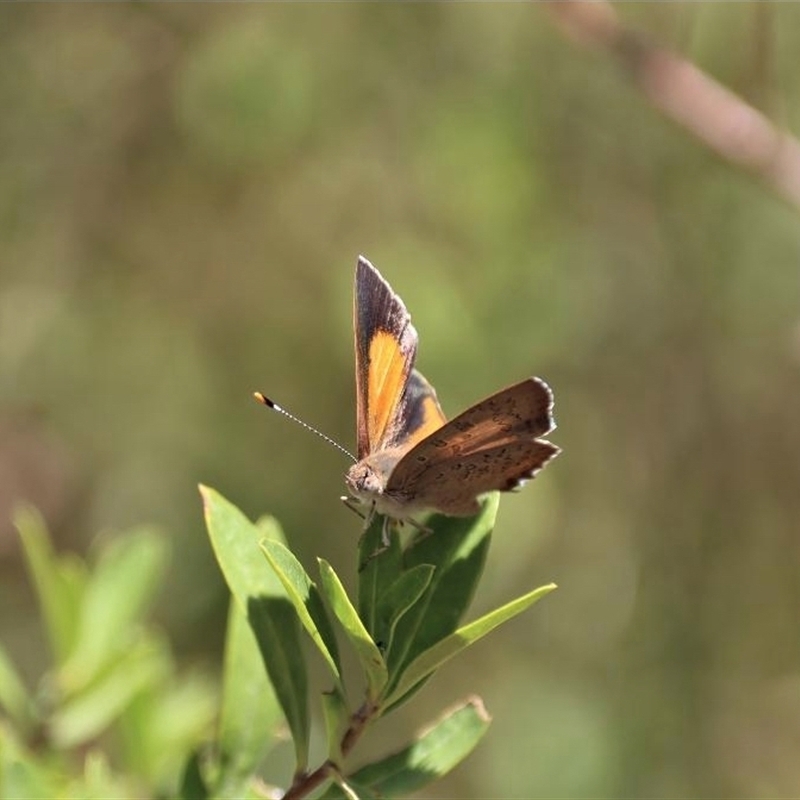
[{"x": 723, "y": 121}]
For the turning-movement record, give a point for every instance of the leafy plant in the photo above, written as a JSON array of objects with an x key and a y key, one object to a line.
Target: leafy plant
[
  {"x": 402, "y": 627},
  {"x": 112, "y": 718},
  {"x": 112, "y": 692}
]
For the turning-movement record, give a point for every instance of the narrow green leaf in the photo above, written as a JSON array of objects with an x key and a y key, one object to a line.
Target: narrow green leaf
[
  {"x": 457, "y": 548},
  {"x": 99, "y": 781},
  {"x": 277, "y": 629},
  {"x": 14, "y": 697},
  {"x": 337, "y": 718},
  {"x": 88, "y": 714},
  {"x": 442, "y": 651},
  {"x": 58, "y": 590},
  {"x": 307, "y": 601},
  {"x": 270, "y": 529},
  {"x": 432, "y": 755},
  {"x": 398, "y": 599},
  {"x": 120, "y": 588},
  {"x": 259, "y": 593},
  {"x": 368, "y": 653},
  {"x": 193, "y": 786},
  {"x": 163, "y": 724},
  {"x": 235, "y": 540},
  {"x": 379, "y": 569},
  {"x": 250, "y": 710},
  {"x": 21, "y": 774}
]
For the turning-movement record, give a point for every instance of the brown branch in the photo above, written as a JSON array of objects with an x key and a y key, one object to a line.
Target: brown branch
[
  {"x": 681, "y": 91},
  {"x": 305, "y": 782}
]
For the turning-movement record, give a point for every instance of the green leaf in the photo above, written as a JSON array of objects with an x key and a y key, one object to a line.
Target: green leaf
[
  {"x": 270, "y": 529},
  {"x": 277, "y": 631},
  {"x": 22, "y": 775},
  {"x": 368, "y": 653},
  {"x": 442, "y": 651},
  {"x": 261, "y": 596},
  {"x": 398, "y": 599},
  {"x": 58, "y": 585},
  {"x": 337, "y": 718},
  {"x": 120, "y": 588},
  {"x": 250, "y": 710},
  {"x": 457, "y": 548},
  {"x": 85, "y": 716},
  {"x": 193, "y": 787},
  {"x": 163, "y": 724},
  {"x": 307, "y": 601},
  {"x": 14, "y": 698},
  {"x": 432, "y": 755},
  {"x": 99, "y": 781},
  {"x": 377, "y": 571}
]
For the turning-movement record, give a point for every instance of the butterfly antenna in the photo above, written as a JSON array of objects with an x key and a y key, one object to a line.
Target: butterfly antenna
[{"x": 275, "y": 407}]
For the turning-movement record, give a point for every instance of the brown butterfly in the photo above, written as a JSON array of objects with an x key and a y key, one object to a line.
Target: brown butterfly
[{"x": 410, "y": 459}]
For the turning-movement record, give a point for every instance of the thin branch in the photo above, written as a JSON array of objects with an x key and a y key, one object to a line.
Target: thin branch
[
  {"x": 306, "y": 782},
  {"x": 681, "y": 91}
]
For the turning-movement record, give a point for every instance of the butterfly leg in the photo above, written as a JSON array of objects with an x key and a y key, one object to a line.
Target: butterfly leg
[
  {"x": 385, "y": 537},
  {"x": 418, "y": 525},
  {"x": 386, "y": 543},
  {"x": 423, "y": 532},
  {"x": 386, "y": 540},
  {"x": 348, "y": 501},
  {"x": 368, "y": 517}
]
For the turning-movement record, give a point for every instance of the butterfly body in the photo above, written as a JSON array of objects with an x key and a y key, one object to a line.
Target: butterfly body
[
  {"x": 410, "y": 458},
  {"x": 366, "y": 481}
]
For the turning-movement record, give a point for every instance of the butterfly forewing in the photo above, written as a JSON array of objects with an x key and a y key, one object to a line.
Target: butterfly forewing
[{"x": 386, "y": 345}]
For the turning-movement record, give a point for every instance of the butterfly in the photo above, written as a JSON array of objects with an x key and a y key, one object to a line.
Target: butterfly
[{"x": 410, "y": 458}]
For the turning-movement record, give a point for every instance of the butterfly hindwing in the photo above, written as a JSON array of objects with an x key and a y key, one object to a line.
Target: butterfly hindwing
[
  {"x": 526, "y": 408},
  {"x": 453, "y": 484},
  {"x": 421, "y": 413},
  {"x": 386, "y": 346},
  {"x": 492, "y": 446}
]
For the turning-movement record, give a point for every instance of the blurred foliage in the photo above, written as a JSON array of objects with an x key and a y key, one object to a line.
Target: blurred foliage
[
  {"x": 183, "y": 192},
  {"x": 110, "y": 717}
]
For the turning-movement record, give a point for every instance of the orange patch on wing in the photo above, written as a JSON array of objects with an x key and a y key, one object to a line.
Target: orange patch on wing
[
  {"x": 432, "y": 420},
  {"x": 387, "y": 373}
]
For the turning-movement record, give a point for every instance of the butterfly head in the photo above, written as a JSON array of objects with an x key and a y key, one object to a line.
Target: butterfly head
[
  {"x": 363, "y": 482},
  {"x": 366, "y": 480}
]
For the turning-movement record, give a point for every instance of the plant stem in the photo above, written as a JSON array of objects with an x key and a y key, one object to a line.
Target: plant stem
[{"x": 306, "y": 782}]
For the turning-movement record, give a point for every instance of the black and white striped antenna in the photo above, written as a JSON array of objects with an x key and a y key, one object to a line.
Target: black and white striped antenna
[{"x": 275, "y": 407}]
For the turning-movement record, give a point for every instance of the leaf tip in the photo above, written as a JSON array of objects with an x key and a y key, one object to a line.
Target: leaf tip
[
  {"x": 473, "y": 702},
  {"x": 476, "y": 702},
  {"x": 205, "y": 496},
  {"x": 24, "y": 516}
]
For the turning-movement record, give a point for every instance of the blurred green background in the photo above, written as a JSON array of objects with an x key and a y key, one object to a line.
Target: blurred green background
[{"x": 184, "y": 189}]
